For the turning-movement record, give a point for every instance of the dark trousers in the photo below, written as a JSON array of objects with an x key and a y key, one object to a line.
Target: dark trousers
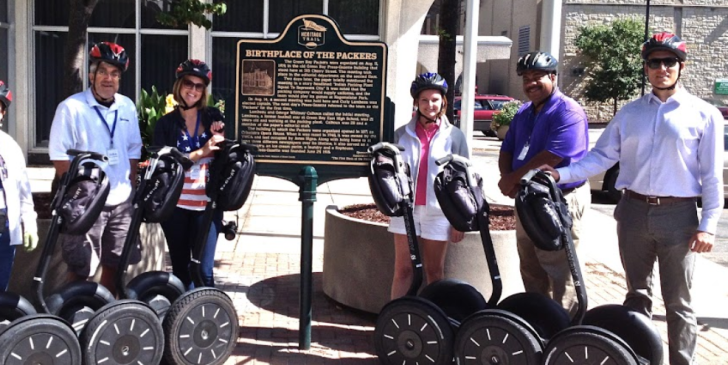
[
  {"x": 181, "y": 232},
  {"x": 7, "y": 256}
]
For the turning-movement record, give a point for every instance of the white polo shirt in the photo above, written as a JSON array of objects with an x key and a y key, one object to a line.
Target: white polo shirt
[
  {"x": 77, "y": 125},
  {"x": 17, "y": 190}
]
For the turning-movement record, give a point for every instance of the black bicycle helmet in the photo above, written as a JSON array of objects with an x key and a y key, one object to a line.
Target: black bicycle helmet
[
  {"x": 6, "y": 97},
  {"x": 665, "y": 41},
  {"x": 195, "y": 68},
  {"x": 537, "y": 60},
  {"x": 110, "y": 53},
  {"x": 428, "y": 81}
]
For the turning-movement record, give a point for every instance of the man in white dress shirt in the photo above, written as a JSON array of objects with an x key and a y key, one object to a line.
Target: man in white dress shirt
[{"x": 669, "y": 145}]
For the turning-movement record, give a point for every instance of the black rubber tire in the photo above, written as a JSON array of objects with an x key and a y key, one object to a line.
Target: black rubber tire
[
  {"x": 456, "y": 298},
  {"x": 585, "y": 345},
  {"x": 19, "y": 343},
  {"x": 123, "y": 332},
  {"x": 545, "y": 315},
  {"x": 158, "y": 289},
  {"x": 413, "y": 330},
  {"x": 494, "y": 337},
  {"x": 77, "y": 302},
  {"x": 201, "y": 327},
  {"x": 13, "y": 306},
  {"x": 632, "y": 327}
]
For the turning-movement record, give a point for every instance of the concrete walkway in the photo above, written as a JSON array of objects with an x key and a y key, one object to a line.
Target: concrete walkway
[{"x": 260, "y": 271}]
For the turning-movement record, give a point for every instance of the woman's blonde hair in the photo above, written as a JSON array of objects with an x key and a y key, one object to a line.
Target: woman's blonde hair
[{"x": 202, "y": 103}]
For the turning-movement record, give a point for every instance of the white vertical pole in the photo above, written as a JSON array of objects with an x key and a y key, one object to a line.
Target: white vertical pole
[
  {"x": 551, "y": 28},
  {"x": 470, "y": 48}
]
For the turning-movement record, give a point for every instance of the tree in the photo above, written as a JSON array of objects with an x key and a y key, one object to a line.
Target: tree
[
  {"x": 180, "y": 12},
  {"x": 614, "y": 64},
  {"x": 448, "y": 30}
]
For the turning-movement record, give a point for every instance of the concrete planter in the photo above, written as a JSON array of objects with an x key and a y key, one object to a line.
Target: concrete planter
[
  {"x": 359, "y": 261},
  {"x": 153, "y": 249}
]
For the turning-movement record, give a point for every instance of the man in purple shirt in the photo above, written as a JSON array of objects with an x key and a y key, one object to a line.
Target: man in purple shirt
[{"x": 552, "y": 130}]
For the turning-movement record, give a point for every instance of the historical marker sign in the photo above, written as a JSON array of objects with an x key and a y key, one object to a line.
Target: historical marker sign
[
  {"x": 721, "y": 86},
  {"x": 310, "y": 97}
]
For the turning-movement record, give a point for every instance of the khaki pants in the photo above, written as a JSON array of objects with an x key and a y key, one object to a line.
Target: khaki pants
[
  {"x": 547, "y": 272},
  {"x": 649, "y": 233}
]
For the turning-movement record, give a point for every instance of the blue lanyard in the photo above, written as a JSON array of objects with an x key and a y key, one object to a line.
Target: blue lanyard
[
  {"x": 194, "y": 141},
  {"x": 103, "y": 120}
]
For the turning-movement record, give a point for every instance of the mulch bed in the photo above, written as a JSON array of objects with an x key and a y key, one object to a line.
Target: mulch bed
[{"x": 502, "y": 217}]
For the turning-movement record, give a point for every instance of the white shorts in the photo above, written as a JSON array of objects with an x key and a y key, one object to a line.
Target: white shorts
[{"x": 430, "y": 225}]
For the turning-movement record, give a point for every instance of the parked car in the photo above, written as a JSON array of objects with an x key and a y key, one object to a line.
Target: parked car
[
  {"x": 605, "y": 182},
  {"x": 720, "y": 104},
  {"x": 485, "y": 107}
]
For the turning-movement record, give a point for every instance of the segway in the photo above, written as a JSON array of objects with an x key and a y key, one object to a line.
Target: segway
[
  {"x": 130, "y": 330},
  {"x": 610, "y": 334},
  {"x": 410, "y": 329},
  {"x": 490, "y": 335},
  {"x": 201, "y": 326},
  {"x": 75, "y": 207}
]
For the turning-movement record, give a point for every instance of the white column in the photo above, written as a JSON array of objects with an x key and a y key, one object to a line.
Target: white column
[
  {"x": 551, "y": 27},
  {"x": 470, "y": 49},
  {"x": 23, "y": 101}
]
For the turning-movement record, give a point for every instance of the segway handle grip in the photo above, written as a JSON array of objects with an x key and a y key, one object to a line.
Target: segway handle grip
[
  {"x": 390, "y": 146},
  {"x": 529, "y": 176},
  {"x": 90, "y": 154},
  {"x": 443, "y": 160},
  {"x": 181, "y": 157}
]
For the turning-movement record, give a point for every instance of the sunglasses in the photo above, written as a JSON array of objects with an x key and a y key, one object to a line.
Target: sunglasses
[
  {"x": 655, "y": 63},
  {"x": 193, "y": 85}
]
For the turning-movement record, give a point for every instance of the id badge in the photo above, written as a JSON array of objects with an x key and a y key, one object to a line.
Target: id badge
[
  {"x": 113, "y": 155},
  {"x": 523, "y": 153}
]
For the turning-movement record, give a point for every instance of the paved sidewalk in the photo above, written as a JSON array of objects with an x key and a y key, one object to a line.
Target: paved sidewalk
[{"x": 260, "y": 271}]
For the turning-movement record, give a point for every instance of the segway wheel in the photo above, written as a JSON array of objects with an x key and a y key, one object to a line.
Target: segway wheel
[
  {"x": 497, "y": 337},
  {"x": 201, "y": 327},
  {"x": 123, "y": 332},
  {"x": 39, "y": 339},
  {"x": 587, "y": 345},
  {"x": 412, "y": 330}
]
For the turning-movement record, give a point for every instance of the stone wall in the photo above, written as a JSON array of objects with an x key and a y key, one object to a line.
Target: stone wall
[{"x": 704, "y": 28}]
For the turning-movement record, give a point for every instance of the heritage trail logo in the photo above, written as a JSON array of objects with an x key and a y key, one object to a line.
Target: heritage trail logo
[{"x": 311, "y": 35}]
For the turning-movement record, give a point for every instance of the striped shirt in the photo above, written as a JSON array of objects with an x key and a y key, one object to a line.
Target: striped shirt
[{"x": 193, "y": 195}]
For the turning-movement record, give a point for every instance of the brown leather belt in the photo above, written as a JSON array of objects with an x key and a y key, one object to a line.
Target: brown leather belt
[{"x": 657, "y": 200}]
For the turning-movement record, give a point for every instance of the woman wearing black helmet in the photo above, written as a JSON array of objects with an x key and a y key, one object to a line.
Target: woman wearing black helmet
[
  {"x": 427, "y": 137},
  {"x": 17, "y": 214},
  {"x": 195, "y": 129}
]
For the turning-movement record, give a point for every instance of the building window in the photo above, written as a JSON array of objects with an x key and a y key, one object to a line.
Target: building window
[
  {"x": 524, "y": 40},
  {"x": 154, "y": 51}
]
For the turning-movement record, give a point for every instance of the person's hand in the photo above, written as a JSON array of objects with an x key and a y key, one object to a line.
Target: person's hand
[
  {"x": 507, "y": 186},
  {"x": 550, "y": 170},
  {"x": 211, "y": 145},
  {"x": 702, "y": 242},
  {"x": 30, "y": 241},
  {"x": 217, "y": 128},
  {"x": 455, "y": 235}
]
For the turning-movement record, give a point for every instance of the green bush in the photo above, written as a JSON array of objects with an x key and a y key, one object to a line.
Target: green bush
[
  {"x": 505, "y": 116},
  {"x": 150, "y": 108}
]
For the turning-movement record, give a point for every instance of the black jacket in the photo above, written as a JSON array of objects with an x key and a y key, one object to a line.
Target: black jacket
[{"x": 169, "y": 126}]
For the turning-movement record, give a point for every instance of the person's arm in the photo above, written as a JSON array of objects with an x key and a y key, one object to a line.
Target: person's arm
[
  {"x": 61, "y": 140},
  {"x": 28, "y": 215},
  {"x": 134, "y": 149},
  {"x": 710, "y": 153},
  {"x": 510, "y": 179}
]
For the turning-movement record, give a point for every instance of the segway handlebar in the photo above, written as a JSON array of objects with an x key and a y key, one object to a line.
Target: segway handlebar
[
  {"x": 456, "y": 158},
  {"x": 158, "y": 151},
  {"x": 87, "y": 154},
  {"x": 395, "y": 148}
]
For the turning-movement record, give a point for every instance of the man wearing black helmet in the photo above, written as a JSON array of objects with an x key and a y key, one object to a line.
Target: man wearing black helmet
[
  {"x": 17, "y": 214},
  {"x": 669, "y": 146},
  {"x": 100, "y": 120},
  {"x": 427, "y": 137},
  {"x": 551, "y": 129}
]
